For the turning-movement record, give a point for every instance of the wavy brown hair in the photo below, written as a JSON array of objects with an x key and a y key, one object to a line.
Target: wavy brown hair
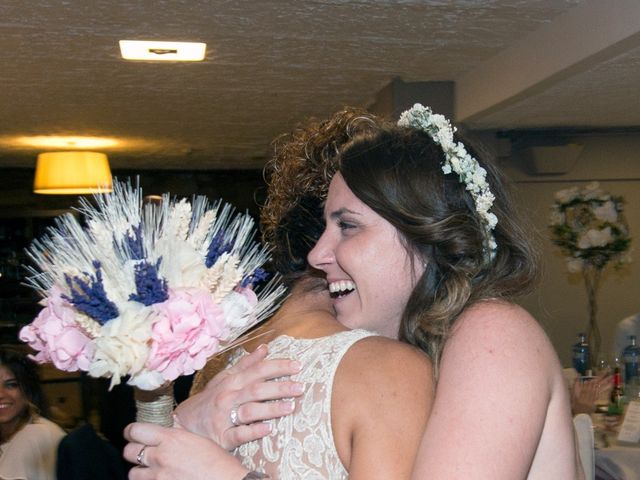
[
  {"x": 298, "y": 177},
  {"x": 397, "y": 172}
]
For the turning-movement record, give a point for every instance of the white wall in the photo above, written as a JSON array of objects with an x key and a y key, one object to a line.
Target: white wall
[{"x": 560, "y": 302}]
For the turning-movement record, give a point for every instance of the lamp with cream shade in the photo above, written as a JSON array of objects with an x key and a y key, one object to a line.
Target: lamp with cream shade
[{"x": 72, "y": 173}]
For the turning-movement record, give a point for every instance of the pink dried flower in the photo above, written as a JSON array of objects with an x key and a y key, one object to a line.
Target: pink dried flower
[
  {"x": 186, "y": 331},
  {"x": 57, "y": 337}
]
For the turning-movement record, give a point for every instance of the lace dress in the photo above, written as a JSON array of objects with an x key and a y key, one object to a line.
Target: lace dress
[{"x": 301, "y": 445}]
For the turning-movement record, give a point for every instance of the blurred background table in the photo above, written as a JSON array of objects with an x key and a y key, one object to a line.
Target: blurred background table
[{"x": 614, "y": 460}]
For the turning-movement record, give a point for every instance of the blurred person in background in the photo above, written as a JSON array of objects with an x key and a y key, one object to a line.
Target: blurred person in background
[
  {"x": 625, "y": 328},
  {"x": 28, "y": 441}
]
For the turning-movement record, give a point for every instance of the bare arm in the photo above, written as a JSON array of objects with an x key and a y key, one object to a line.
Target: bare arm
[
  {"x": 492, "y": 397},
  {"x": 245, "y": 386},
  {"x": 381, "y": 400}
]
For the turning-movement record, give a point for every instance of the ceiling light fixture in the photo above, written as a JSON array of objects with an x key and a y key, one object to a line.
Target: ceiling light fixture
[
  {"x": 69, "y": 141},
  {"x": 162, "y": 51},
  {"x": 72, "y": 173}
]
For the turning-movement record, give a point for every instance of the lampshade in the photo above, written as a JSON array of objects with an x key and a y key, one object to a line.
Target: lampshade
[{"x": 72, "y": 173}]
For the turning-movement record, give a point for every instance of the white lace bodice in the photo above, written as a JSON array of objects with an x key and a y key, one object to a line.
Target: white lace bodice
[{"x": 301, "y": 445}]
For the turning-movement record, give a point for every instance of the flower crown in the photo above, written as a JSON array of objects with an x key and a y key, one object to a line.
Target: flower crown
[{"x": 457, "y": 160}]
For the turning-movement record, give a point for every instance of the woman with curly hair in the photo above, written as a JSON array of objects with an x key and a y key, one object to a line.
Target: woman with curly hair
[
  {"x": 347, "y": 413},
  {"x": 28, "y": 441}
]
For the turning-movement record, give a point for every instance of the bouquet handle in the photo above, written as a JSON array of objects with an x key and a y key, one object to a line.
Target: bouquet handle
[{"x": 155, "y": 406}]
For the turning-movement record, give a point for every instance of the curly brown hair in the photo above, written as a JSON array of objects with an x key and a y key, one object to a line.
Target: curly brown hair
[{"x": 298, "y": 178}]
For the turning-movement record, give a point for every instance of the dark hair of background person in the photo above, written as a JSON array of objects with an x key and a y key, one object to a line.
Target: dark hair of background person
[
  {"x": 398, "y": 173},
  {"x": 26, "y": 373},
  {"x": 298, "y": 177}
]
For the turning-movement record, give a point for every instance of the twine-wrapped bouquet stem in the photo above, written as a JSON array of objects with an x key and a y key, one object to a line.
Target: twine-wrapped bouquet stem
[{"x": 155, "y": 406}]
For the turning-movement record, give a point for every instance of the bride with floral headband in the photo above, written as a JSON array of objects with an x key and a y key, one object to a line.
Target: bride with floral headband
[{"x": 501, "y": 408}]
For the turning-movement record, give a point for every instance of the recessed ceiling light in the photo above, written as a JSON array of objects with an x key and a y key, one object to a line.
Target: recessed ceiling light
[{"x": 162, "y": 51}]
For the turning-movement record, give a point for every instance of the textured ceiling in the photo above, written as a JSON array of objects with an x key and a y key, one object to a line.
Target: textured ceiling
[
  {"x": 607, "y": 95},
  {"x": 269, "y": 65}
]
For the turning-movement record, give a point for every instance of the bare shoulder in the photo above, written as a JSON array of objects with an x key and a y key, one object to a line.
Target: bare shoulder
[
  {"x": 496, "y": 322},
  {"x": 497, "y": 335},
  {"x": 380, "y": 373},
  {"x": 501, "y": 313},
  {"x": 497, "y": 379},
  {"x": 393, "y": 361},
  {"x": 378, "y": 381}
]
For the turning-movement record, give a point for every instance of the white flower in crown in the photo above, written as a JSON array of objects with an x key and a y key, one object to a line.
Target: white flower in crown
[{"x": 457, "y": 160}]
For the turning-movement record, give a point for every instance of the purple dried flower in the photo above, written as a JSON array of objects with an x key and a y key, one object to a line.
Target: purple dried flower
[
  {"x": 258, "y": 275},
  {"x": 150, "y": 288},
  {"x": 216, "y": 248},
  {"x": 90, "y": 297}
]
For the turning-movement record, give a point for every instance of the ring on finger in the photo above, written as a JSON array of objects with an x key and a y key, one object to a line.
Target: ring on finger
[
  {"x": 233, "y": 417},
  {"x": 140, "y": 457}
]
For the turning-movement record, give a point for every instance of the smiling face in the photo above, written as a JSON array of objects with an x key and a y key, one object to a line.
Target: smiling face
[
  {"x": 13, "y": 402},
  {"x": 369, "y": 271}
]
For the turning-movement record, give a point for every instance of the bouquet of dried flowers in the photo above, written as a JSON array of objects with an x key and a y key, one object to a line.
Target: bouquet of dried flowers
[{"x": 147, "y": 291}]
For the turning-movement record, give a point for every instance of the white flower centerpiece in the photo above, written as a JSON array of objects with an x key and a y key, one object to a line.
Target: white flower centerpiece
[
  {"x": 147, "y": 291},
  {"x": 589, "y": 227}
]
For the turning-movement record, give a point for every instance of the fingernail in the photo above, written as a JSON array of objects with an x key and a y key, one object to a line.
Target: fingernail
[
  {"x": 290, "y": 405},
  {"x": 296, "y": 365},
  {"x": 298, "y": 388}
]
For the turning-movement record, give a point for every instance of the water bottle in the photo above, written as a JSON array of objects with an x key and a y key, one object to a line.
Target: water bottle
[
  {"x": 581, "y": 355},
  {"x": 631, "y": 355}
]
